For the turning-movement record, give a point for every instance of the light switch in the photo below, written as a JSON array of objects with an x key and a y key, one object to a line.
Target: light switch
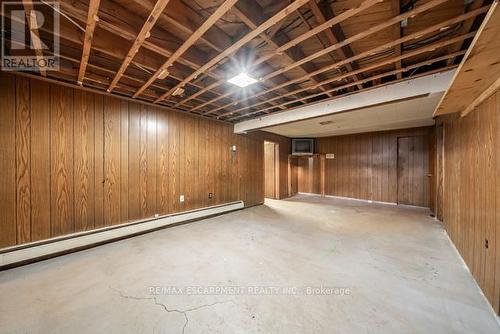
[{"x": 181, "y": 198}]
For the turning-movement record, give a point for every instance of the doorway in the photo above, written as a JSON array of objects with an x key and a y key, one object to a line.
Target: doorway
[
  {"x": 413, "y": 171},
  {"x": 271, "y": 170}
]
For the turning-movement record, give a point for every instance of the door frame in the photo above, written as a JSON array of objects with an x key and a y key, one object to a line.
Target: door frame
[
  {"x": 398, "y": 170},
  {"x": 276, "y": 169}
]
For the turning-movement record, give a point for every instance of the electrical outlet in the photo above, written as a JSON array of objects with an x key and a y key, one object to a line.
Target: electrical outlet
[
  {"x": 181, "y": 199},
  {"x": 210, "y": 195},
  {"x": 157, "y": 215}
]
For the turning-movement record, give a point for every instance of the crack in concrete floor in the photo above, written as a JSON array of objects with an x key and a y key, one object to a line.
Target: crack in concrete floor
[{"x": 183, "y": 312}]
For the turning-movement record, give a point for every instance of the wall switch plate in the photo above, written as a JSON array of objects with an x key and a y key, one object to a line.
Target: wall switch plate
[
  {"x": 181, "y": 198},
  {"x": 210, "y": 195},
  {"x": 330, "y": 156}
]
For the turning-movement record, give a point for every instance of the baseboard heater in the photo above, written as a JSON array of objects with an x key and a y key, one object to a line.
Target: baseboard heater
[{"x": 36, "y": 251}]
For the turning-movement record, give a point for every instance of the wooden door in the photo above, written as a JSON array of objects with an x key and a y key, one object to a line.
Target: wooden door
[
  {"x": 270, "y": 189},
  {"x": 413, "y": 169}
]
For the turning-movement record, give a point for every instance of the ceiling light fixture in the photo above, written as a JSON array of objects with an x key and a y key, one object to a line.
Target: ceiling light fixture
[{"x": 242, "y": 80}]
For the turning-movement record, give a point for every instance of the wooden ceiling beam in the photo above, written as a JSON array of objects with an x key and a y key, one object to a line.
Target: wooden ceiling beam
[
  {"x": 210, "y": 21},
  {"x": 396, "y": 10},
  {"x": 190, "y": 59},
  {"x": 334, "y": 34},
  {"x": 249, "y": 11},
  {"x": 467, "y": 26},
  {"x": 34, "y": 34},
  {"x": 187, "y": 21},
  {"x": 92, "y": 19},
  {"x": 127, "y": 28},
  {"x": 361, "y": 35},
  {"x": 368, "y": 79},
  {"x": 374, "y": 29},
  {"x": 391, "y": 60},
  {"x": 141, "y": 37},
  {"x": 345, "y": 15},
  {"x": 70, "y": 73},
  {"x": 222, "y": 40},
  {"x": 320, "y": 41},
  {"x": 238, "y": 44}
]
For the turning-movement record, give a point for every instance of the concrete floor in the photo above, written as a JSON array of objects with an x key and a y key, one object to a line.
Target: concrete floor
[{"x": 389, "y": 270}]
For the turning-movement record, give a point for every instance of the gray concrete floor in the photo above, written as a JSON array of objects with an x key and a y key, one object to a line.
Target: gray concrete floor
[{"x": 388, "y": 270}]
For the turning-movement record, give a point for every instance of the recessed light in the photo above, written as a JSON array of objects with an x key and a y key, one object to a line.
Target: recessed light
[{"x": 242, "y": 80}]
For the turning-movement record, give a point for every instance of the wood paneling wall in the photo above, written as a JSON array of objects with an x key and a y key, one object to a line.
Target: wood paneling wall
[
  {"x": 365, "y": 165},
  {"x": 73, "y": 161},
  {"x": 285, "y": 148},
  {"x": 271, "y": 169},
  {"x": 413, "y": 170},
  {"x": 471, "y": 205}
]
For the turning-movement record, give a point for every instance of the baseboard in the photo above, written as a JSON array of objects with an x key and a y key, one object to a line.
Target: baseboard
[
  {"x": 36, "y": 251},
  {"x": 348, "y": 198}
]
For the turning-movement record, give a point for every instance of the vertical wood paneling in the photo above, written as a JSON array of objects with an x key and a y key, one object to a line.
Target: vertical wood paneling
[
  {"x": 112, "y": 160},
  {"x": 470, "y": 197},
  {"x": 124, "y": 161},
  {"x": 270, "y": 170},
  {"x": 62, "y": 169},
  {"x": 496, "y": 248},
  {"x": 134, "y": 167},
  {"x": 99, "y": 161},
  {"x": 173, "y": 149},
  {"x": 8, "y": 225},
  {"x": 189, "y": 162},
  {"x": 365, "y": 166},
  {"x": 163, "y": 163},
  {"x": 151, "y": 168},
  {"x": 23, "y": 160},
  {"x": 84, "y": 161},
  {"x": 40, "y": 161},
  {"x": 75, "y": 161},
  {"x": 143, "y": 163},
  {"x": 181, "y": 173}
]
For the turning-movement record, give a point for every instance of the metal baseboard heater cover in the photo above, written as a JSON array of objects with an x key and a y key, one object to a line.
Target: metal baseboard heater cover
[{"x": 35, "y": 251}]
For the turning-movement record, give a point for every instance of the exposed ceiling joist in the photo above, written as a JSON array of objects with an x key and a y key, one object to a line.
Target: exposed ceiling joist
[
  {"x": 31, "y": 18},
  {"x": 336, "y": 20},
  {"x": 372, "y": 30},
  {"x": 396, "y": 9},
  {"x": 376, "y": 50},
  {"x": 237, "y": 45},
  {"x": 250, "y": 14},
  {"x": 141, "y": 37},
  {"x": 221, "y": 10},
  {"x": 334, "y": 36},
  {"x": 392, "y": 60},
  {"x": 92, "y": 19}
]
